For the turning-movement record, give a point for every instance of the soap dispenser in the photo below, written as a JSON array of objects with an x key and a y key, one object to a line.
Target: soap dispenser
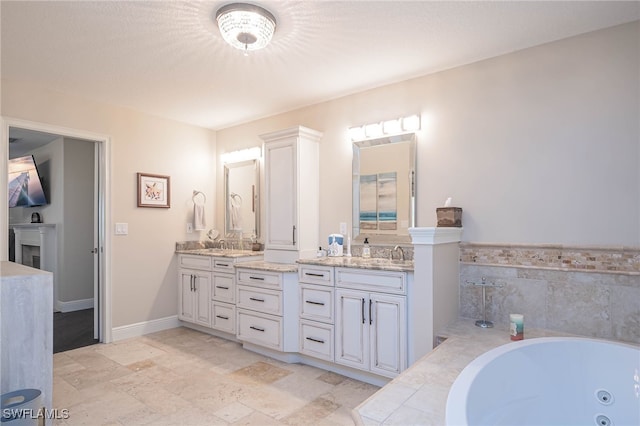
[{"x": 366, "y": 250}]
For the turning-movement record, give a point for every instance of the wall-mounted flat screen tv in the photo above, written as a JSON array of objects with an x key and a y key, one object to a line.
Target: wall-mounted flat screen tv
[{"x": 25, "y": 186}]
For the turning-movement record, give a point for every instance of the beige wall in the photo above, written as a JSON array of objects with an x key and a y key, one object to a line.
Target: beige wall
[
  {"x": 537, "y": 146},
  {"x": 541, "y": 145},
  {"x": 144, "y": 272}
]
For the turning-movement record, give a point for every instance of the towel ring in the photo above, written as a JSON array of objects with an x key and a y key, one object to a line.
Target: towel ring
[{"x": 195, "y": 194}]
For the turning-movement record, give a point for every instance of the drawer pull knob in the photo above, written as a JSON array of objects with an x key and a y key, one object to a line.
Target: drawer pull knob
[
  {"x": 315, "y": 340},
  {"x": 255, "y": 299},
  {"x": 222, "y": 317},
  {"x": 226, "y": 265},
  {"x": 311, "y": 274},
  {"x": 256, "y": 278},
  {"x": 222, "y": 287},
  {"x": 256, "y": 328},
  {"x": 311, "y": 302}
]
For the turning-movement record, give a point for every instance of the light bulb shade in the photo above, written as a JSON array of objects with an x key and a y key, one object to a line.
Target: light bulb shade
[{"x": 246, "y": 26}]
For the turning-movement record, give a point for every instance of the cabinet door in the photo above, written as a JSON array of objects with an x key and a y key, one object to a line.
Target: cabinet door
[
  {"x": 186, "y": 297},
  {"x": 281, "y": 187},
  {"x": 352, "y": 328},
  {"x": 388, "y": 334},
  {"x": 202, "y": 284}
]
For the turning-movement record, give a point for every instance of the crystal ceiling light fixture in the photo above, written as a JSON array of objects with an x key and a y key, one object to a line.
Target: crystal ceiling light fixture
[{"x": 246, "y": 26}]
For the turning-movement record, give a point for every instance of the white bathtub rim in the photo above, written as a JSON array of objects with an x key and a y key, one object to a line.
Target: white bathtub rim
[{"x": 455, "y": 416}]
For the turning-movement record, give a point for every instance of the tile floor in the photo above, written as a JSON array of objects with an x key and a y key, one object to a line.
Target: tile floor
[{"x": 184, "y": 377}]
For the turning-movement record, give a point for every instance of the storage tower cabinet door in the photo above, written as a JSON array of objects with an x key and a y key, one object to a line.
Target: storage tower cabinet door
[
  {"x": 281, "y": 184},
  {"x": 388, "y": 334},
  {"x": 352, "y": 329},
  {"x": 292, "y": 192}
]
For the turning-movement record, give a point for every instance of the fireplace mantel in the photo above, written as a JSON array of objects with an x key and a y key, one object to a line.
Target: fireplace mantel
[{"x": 43, "y": 235}]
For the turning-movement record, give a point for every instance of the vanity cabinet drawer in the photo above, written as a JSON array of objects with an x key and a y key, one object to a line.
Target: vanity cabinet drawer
[
  {"x": 264, "y": 330},
  {"x": 261, "y": 300},
  {"x": 372, "y": 280},
  {"x": 316, "y": 303},
  {"x": 223, "y": 265},
  {"x": 258, "y": 278},
  {"x": 316, "y": 340},
  {"x": 312, "y": 274},
  {"x": 195, "y": 262},
  {"x": 223, "y": 288},
  {"x": 223, "y": 317}
]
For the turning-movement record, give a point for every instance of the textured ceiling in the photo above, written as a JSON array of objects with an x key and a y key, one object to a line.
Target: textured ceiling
[{"x": 167, "y": 58}]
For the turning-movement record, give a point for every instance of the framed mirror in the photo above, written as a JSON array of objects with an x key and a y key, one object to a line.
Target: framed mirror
[
  {"x": 242, "y": 209},
  {"x": 384, "y": 189}
]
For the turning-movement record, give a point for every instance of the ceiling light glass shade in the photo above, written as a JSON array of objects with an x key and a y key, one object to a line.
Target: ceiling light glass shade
[{"x": 246, "y": 26}]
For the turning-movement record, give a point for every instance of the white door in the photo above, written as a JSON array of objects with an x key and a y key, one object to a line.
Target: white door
[
  {"x": 280, "y": 179},
  {"x": 186, "y": 297},
  {"x": 352, "y": 328},
  {"x": 388, "y": 334}
]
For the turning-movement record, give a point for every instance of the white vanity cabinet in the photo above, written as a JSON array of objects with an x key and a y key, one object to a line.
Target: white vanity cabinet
[
  {"x": 371, "y": 320},
  {"x": 316, "y": 304},
  {"x": 267, "y": 308},
  {"x": 292, "y": 176},
  {"x": 195, "y": 290},
  {"x": 207, "y": 293}
]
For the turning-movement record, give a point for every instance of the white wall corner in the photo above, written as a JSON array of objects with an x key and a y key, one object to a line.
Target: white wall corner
[
  {"x": 145, "y": 327},
  {"x": 435, "y": 235}
]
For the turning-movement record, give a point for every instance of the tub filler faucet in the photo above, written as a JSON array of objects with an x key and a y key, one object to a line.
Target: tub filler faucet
[{"x": 483, "y": 323}]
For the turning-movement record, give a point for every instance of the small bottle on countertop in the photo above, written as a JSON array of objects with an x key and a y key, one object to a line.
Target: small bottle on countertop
[
  {"x": 320, "y": 252},
  {"x": 366, "y": 250}
]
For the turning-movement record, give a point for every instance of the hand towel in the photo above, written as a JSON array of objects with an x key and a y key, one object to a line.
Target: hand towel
[{"x": 199, "y": 224}]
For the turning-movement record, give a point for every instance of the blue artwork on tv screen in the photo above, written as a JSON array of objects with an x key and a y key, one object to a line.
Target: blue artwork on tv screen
[{"x": 25, "y": 186}]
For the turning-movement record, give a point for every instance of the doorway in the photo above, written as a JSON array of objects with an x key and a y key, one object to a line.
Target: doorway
[{"x": 73, "y": 166}]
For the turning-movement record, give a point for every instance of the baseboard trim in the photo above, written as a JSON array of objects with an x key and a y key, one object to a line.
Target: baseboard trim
[
  {"x": 145, "y": 327},
  {"x": 74, "y": 305}
]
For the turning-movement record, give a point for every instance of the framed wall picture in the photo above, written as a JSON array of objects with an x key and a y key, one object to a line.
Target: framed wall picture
[{"x": 154, "y": 190}]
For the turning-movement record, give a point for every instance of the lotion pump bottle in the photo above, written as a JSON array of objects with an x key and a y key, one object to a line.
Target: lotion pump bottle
[{"x": 366, "y": 250}]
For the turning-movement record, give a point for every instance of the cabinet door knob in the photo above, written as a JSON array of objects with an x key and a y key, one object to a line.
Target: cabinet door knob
[
  {"x": 363, "y": 311},
  {"x": 370, "y": 317}
]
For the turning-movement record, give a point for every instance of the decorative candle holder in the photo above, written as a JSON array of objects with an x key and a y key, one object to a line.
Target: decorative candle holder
[{"x": 516, "y": 326}]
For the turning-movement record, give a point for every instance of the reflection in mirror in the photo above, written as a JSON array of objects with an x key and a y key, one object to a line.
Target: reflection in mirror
[
  {"x": 242, "y": 212},
  {"x": 384, "y": 187}
]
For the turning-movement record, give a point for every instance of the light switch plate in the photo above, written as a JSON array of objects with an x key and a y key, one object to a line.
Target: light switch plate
[
  {"x": 189, "y": 227},
  {"x": 343, "y": 228},
  {"x": 122, "y": 228}
]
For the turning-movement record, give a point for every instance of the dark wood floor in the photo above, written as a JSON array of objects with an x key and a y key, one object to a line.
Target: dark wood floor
[{"x": 72, "y": 330}]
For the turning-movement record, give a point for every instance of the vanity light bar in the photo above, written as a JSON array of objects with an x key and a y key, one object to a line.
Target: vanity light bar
[
  {"x": 396, "y": 126},
  {"x": 241, "y": 155}
]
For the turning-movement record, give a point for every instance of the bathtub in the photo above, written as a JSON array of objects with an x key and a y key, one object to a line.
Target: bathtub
[{"x": 549, "y": 381}]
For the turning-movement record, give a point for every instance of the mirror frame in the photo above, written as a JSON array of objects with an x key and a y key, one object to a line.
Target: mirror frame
[
  {"x": 255, "y": 195},
  {"x": 355, "y": 168}
]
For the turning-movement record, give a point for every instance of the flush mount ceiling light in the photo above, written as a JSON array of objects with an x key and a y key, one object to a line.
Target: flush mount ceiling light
[{"x": 246, "y": 26}]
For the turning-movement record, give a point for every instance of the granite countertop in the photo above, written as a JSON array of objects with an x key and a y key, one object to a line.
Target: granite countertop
[
  {"x": 419, "y": 394},
  {"x": 216, "y": 252},
  {"x": 361, "y": 262}
]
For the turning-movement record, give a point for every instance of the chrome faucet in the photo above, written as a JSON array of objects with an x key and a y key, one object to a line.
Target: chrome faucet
[{"x": 397, "y": 248}]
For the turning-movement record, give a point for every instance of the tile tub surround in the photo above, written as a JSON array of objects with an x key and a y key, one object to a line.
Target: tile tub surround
[
  {"x": 587, "y": 291},
  {"x": 419, "y": 395}
]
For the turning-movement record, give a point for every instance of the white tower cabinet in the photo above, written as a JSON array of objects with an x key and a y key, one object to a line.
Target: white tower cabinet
[{"x": 292, "y": 181}]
